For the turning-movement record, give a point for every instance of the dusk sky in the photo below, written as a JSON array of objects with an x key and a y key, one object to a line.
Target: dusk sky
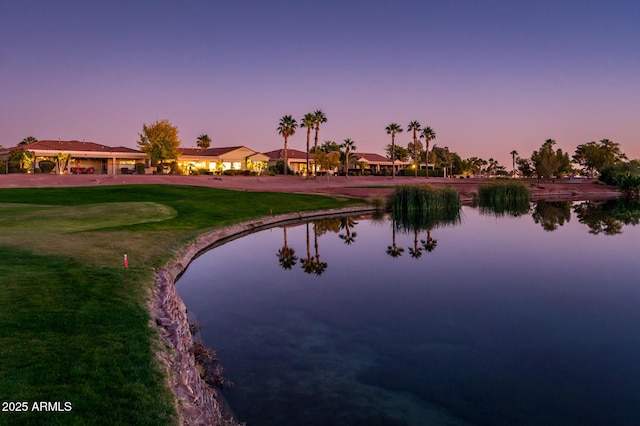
[{"x": 487, "y": 76}]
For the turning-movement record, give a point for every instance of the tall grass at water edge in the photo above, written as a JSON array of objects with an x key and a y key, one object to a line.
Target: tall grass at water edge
[
  {"x": 422, "y": 198},
  {"x": 511, "y": 198}
]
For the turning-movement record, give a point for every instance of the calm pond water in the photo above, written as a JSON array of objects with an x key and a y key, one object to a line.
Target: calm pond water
[{"x": 497, "y": 320}]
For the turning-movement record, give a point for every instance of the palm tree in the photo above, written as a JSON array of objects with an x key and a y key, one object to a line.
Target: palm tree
[
  {"x": 514, "y": 154},
  {"x": 286, "y": 255},
  {"x": 204, "y": 141},
  {"x": 320, "y": 118},
  {"x": 28, "y": 140},
  {"x": 308, "y": 121},
  {"x": 287, "y": 127},
  {"x": 415, "y": 127},
  {"x": 392, "y": 129},
  {"x": 428, "y": 134},
  {"x": 349, "y": 146}
]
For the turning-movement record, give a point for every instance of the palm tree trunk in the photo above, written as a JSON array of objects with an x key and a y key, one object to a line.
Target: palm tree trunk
[
  {"x": 315, "y": 152},
  {"x": 393, "y": 155},
  {"x": 285, "y": 156},
  {"x": 308, "y": 138},
  {"x": 426, "y": 158}
]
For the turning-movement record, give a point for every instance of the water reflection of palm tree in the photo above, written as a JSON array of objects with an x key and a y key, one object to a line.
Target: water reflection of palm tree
[
  {"x": 309, "y": 263},
  {"x": 430, "y": 244},
  {"x": 320, "y": 266},
  {"x": 393, "y": 250},
  {"x": 348, "y": 237},
  {"x": 287, "y": 255},
  {"x": 415, "y": 251}
]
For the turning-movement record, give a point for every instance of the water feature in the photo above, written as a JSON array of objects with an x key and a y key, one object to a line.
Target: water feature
[{"x": 489, "y": 319}]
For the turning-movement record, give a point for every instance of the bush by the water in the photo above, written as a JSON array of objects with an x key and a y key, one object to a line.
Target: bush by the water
[
  {"x": 423, "y": 207},
  {"x": 504, "y": 198},
  {"x": 610, "y": 173}
]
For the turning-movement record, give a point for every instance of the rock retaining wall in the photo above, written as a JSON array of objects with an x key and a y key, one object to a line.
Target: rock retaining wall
[{"x": 195, "y": 401}]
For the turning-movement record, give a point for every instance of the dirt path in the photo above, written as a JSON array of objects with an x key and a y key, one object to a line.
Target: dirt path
[{"x": 357, "y": 186}]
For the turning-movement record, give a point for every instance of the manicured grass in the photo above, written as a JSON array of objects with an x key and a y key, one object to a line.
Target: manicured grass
[{"x": 73, "y": 322}]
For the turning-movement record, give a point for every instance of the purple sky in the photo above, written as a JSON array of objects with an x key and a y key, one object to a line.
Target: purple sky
[{"x": 487, "y": 76}]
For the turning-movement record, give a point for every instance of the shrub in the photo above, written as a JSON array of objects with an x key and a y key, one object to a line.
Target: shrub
[
  {"x": 140, "y": 168},
  {"x": 378, "y": 202},
  {"x": 629, "y": 184},
  {"x": 46, "y": 166},
  {"x": 3, "y": 167}
]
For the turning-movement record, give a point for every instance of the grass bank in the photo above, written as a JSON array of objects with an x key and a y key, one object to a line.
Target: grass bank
[{"x": 73, "y": 321}]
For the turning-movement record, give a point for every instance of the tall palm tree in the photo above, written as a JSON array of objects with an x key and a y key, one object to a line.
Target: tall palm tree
[
  {"x": 349, "y": 146},
  {"x": 320, "y": 118},
  {"x": 392, "y": 129},
  {"x": 428, "y": 134},
  {"x": 415, "y": 127},
  {"x": 514, "y": 154},
  {"x": 204, "y": 141},
  {"x": 308, "y": 121},
  {"x": 287, "y": 255},
  {"x": 287, "y": 127}
]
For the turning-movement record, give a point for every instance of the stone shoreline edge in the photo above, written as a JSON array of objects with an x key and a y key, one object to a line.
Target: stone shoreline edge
[{"x": 196, "y": 402}]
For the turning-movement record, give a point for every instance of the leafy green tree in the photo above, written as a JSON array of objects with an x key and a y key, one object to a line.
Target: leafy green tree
[
  {"x": 548, "y": 163},
  {"x": 414, "y": 127},
  {"x": 320, "y": 118},
  {"x": 397, "y": 152},
  {"x": 308, "y": 121},
  {"x": 525, "y": 167},
  {"x": 428, "y": 134},
  {"x": 286, "y": 128},
  {"x": 204, "y": 141},
  {"x": 327, "y": 160},
  {"x": 393, "y": 129},
  {"x": 609, "y": 174},
  {"x": 160, "y": 141},
  {"x": 62, "y": 162},
  {"x": 349, "y": 146},
  {"x": 595, "y": 156},
  {"x": 23, "y": 157},
  {"x": 329, "y": 146}
]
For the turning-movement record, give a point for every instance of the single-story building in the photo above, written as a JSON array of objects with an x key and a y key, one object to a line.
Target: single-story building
[
  {"x": 378, "y": 163},
  {"x": 85, "y": 157},
  {"x": 296, "y": 160},
  {"x": 220, "y": 159}
]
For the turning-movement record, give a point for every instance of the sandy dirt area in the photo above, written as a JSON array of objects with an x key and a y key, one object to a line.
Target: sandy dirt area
[{"x": 356, "y": 186}]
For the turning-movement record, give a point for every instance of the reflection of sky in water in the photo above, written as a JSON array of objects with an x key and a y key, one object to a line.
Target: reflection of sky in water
[{"x": 503, "y": 323}]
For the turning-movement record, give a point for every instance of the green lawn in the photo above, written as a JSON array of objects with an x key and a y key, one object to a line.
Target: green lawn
[{"x": 73, "y": 323}]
